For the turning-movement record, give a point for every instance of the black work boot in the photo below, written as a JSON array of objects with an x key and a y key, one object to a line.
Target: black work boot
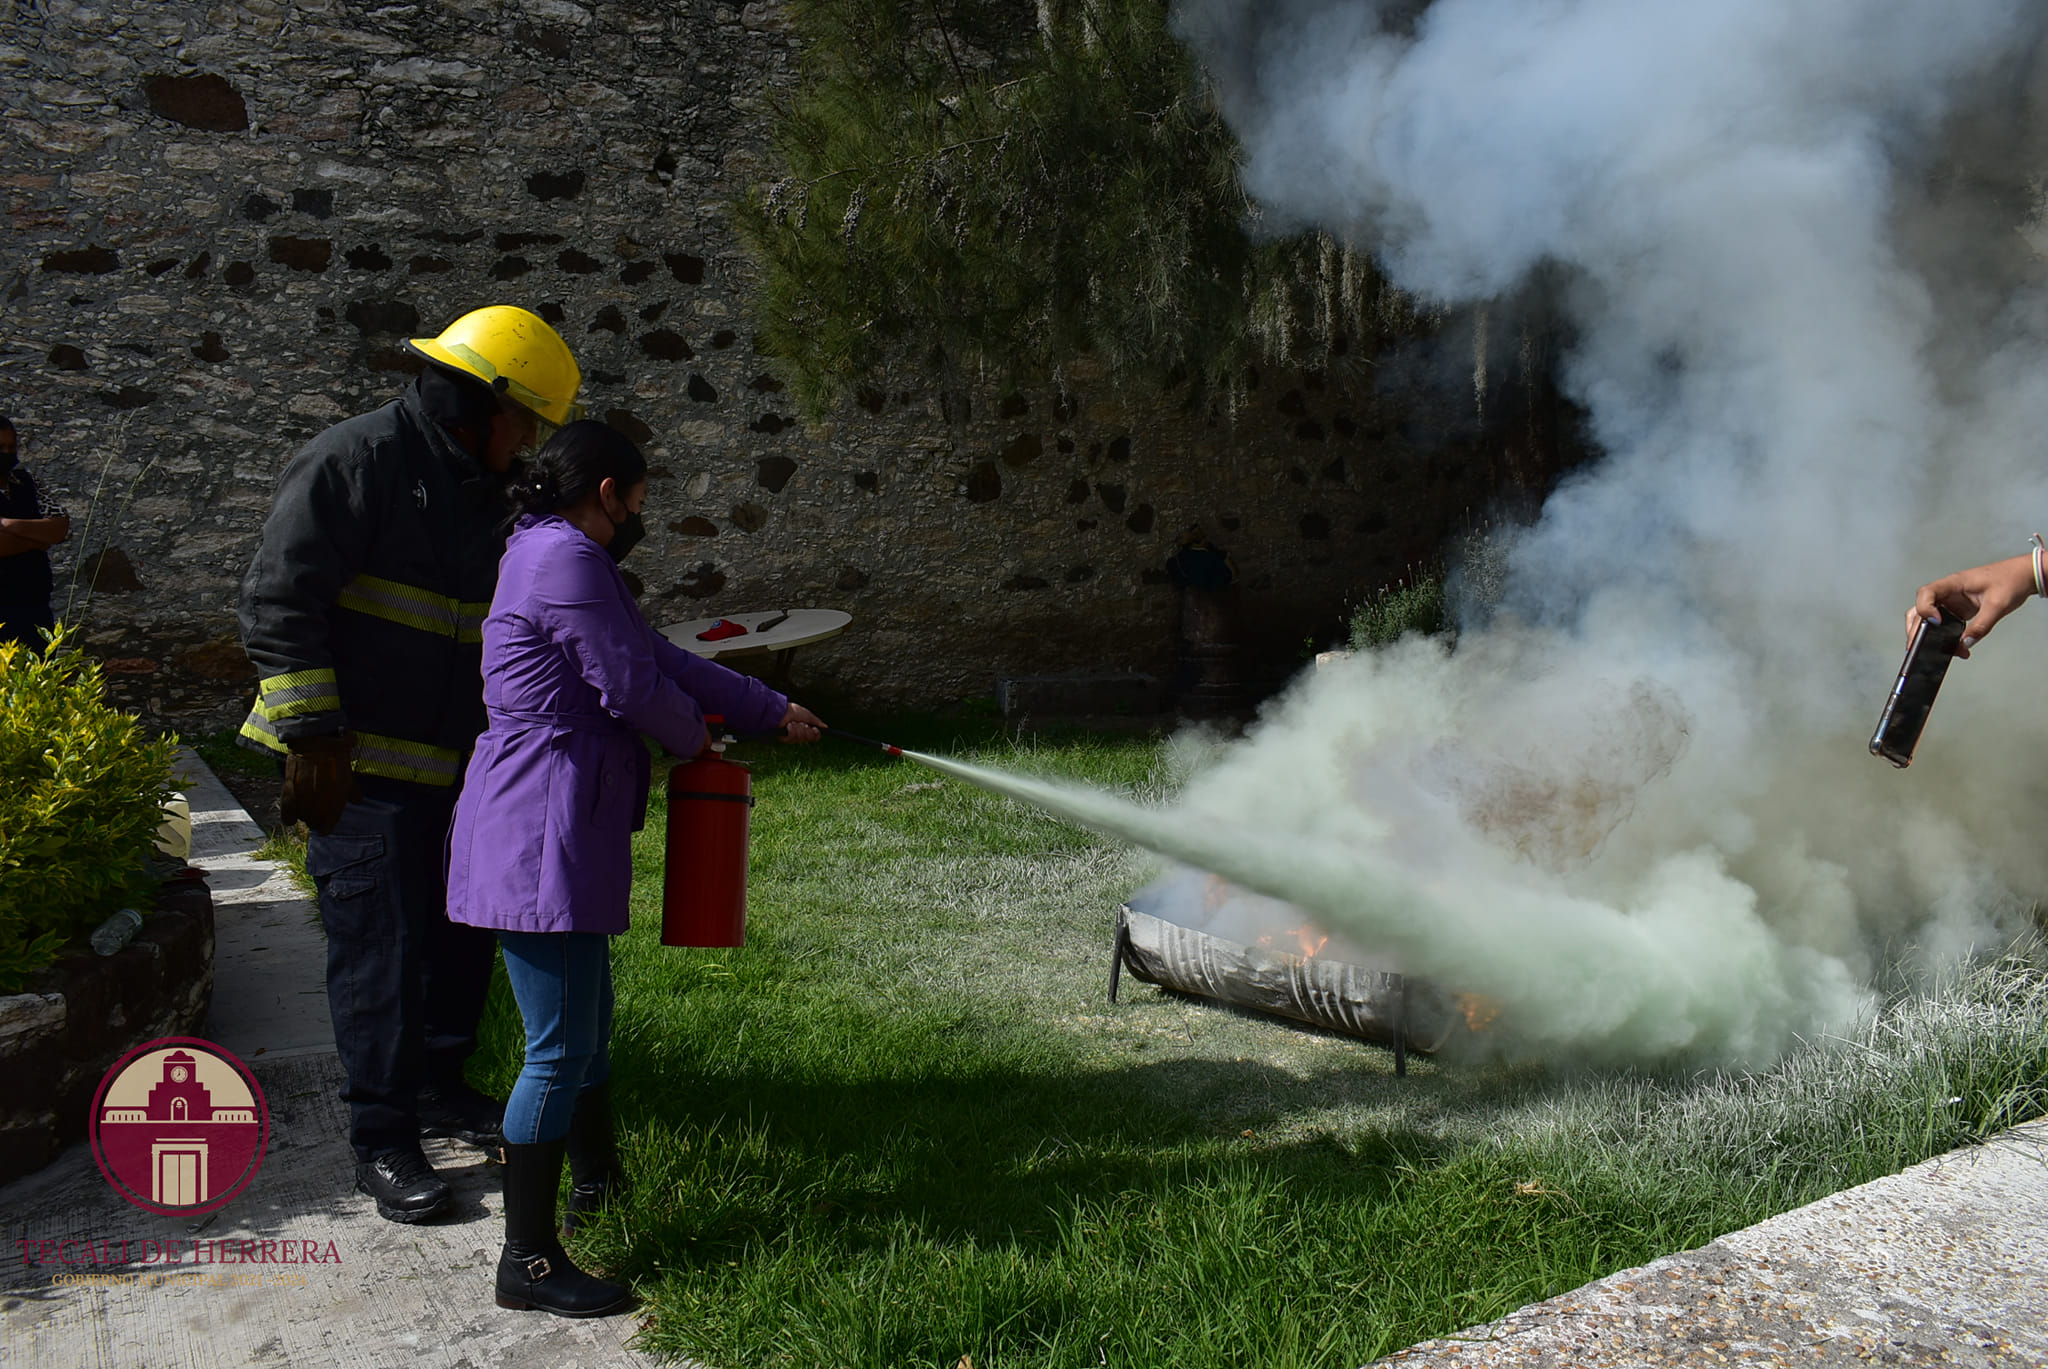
[
  {"x": 459, "y": 1111},
  {"x": 404, "y": 1185},
  {"x": 595, "y": 1175},
  {"x": 534, "y": 1271}
]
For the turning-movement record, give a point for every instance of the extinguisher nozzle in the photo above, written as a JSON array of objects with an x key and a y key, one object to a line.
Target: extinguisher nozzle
[{"x": 883, "y": 747}]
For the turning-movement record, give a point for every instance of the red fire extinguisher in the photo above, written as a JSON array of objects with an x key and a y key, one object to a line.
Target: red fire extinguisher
[{"x": 704, "y": 889}]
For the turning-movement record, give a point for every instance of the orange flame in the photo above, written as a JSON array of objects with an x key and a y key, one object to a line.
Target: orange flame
[
  {"x": 1309, "y": 947},
  {"x": 1479, "y": 1011},
  {"x": 1308, "y": 937}
]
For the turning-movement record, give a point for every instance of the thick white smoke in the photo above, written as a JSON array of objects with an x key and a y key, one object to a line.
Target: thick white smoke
[{"x": 1636, "y": 806}]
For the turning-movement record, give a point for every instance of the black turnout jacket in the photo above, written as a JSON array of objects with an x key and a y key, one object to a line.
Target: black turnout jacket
[{"x": 364, "y": 606}]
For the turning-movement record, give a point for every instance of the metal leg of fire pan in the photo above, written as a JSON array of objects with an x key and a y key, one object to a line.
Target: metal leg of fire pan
[
  {"x": 1400, "y": 1026},
  {"x": 1118, "y": 952}
]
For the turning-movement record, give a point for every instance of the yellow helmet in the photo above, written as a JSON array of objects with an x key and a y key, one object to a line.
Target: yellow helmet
[{"x": 507, "y": 344}]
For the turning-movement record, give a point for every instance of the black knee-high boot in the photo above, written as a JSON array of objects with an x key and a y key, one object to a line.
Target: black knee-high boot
[
  {"x": 595, "y": 1175},
  {"x": 534, "y": 1271}
]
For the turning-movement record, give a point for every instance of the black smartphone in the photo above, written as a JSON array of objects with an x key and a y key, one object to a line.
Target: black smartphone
[{"x": 1905, "y": 713}]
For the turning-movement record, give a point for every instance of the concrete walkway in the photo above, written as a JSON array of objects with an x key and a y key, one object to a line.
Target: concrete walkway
[{"x": 392, "y": 1294}]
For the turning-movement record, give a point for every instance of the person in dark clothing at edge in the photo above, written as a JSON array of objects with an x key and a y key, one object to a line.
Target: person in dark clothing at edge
[
  {"x": 363, "y": 614},
  {"x": 29, "y": 526}
]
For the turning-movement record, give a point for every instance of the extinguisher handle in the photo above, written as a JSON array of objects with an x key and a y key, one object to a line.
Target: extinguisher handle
[
  {"x": 714, "y": 722},
  {"x": 766, "y": 734},
  {"x": 714, "y": 742}
]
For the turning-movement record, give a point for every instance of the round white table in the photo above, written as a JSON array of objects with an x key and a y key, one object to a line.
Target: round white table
[{"x": 799, "y": 627}]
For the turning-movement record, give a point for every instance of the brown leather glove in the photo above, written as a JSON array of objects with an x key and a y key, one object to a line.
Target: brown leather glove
[{"x": 318, "y": 783}]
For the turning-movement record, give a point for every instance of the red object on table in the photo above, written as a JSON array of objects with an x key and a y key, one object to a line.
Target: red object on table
[
  {"x": 721, "y": 630},
  {"x": 704, "y": 887}
]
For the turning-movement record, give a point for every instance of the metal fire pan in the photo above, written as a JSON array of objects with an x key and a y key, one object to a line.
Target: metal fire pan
[{"x": 1373, "y": 1002}]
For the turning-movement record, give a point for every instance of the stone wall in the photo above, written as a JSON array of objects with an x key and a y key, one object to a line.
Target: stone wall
[{"x": 223, "y": 218}]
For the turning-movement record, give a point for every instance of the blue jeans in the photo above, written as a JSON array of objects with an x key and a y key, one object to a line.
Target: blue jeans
[{"x": 563, "y": 983}]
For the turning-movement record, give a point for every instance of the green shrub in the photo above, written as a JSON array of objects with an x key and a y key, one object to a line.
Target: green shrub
[
  {"x": 1404, "y": 608},
  {"x": 82, "y": 787}
]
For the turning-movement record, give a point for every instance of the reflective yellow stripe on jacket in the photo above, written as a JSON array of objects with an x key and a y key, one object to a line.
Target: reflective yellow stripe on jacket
[
  {"x": 302, "y": 691},
  {"x": 391, "y": 757},
  {"x": 411, "y": 606},
  {"x": 258, "y": 728},
  {"x": 397, "y": 759},
  {"x": 289, "y": 696}
]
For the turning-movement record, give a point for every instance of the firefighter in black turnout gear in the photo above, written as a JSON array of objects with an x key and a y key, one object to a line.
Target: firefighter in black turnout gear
[{"x": 363, "y": 614}]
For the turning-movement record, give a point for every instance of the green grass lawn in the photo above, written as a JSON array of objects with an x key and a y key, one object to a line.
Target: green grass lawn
[{"x": 902, "y": 1127}]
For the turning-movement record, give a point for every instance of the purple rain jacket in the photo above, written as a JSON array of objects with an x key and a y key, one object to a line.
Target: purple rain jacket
[{"x": 542, "y": 839}]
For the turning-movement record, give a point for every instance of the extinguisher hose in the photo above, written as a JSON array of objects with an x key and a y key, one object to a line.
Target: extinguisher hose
[{"x": 884, "y": 747}]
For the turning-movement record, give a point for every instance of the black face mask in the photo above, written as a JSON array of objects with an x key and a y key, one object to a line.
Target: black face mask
[
  {"x": 8, "y": 461},
  {"x": 626, "y": 536}
]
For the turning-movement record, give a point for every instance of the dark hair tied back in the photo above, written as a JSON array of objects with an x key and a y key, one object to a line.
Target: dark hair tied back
[
  {"x": 576, "y": 461},
  {"x": 541, "y": 491}
]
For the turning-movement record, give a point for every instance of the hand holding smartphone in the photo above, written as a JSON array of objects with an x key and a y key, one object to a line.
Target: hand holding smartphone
[{"x": 1905, "y": 713}]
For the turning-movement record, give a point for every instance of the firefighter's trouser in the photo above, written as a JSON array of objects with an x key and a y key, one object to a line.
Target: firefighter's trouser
[
  {"x": 26, "y": 623},
  {"x": 406, "y": 986}
]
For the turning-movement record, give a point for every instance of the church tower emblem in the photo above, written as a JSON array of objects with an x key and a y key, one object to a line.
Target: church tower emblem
[{"x": 179, "y": 1126}]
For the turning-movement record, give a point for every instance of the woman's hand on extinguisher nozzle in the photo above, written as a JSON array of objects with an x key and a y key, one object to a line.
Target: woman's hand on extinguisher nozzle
[{"x": 799, "y": 724}]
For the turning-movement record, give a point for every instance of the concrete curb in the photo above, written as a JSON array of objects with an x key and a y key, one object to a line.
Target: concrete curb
[
  {"x": 380, "y": 1294},
  {"x": 1943, "y": 1263}
]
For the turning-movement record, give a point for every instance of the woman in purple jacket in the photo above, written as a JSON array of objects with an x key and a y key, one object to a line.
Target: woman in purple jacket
[{"x": 540, "y": 850}]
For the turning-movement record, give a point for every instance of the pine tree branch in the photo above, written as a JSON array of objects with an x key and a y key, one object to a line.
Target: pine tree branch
[{"x": 1080, "y": 194}]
